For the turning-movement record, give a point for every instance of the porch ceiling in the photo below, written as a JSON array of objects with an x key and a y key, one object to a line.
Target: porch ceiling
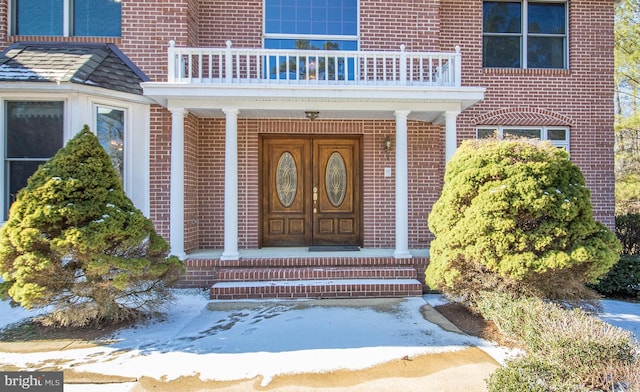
[{"x": 332, "y": 102}]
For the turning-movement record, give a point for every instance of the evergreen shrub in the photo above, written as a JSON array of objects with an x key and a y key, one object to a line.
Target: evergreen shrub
[
  {"x": 515, "y": 216},
  {"x": 76, "y": 242},
  {"x": 566, "y": 349},
  {"x": 623, "y": 280},
  {"x": 628, "y": 232}
]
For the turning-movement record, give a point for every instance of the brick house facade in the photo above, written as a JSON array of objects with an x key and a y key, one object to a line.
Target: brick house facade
[{"x": 192, "y": 210}]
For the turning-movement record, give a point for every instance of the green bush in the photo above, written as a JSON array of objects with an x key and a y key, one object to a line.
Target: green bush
[
  {"x": 623, "y": 280},
  {"x": 566, "y": 349},
  {"x": 628, "y": 232},
  {"x": 527, "y": 374},
  {"x": 516, "y": 217},
  {"x": 74, "y": 240}
]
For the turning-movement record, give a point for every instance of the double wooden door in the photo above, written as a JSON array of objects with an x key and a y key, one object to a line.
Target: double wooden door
[{"x": 310, "y": 191}]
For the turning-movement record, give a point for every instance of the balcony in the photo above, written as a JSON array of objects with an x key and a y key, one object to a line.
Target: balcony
[
  {"x": 313, "y": 67},
  {"x": 341, "y": 84}
]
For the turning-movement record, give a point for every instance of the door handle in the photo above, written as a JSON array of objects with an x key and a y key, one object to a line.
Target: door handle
[{"x": 315, "y": 199}]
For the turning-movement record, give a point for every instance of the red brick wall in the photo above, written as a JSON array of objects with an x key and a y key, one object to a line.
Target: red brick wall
[
  {"x": 222, "y": 20},
  {"x": 4, "y": 22},
  {"x": 191, "y": 195},
  {"x": 583, "y": 93},
  {"x": 378, "y": 194},
  {"x": 193, "y": 21},
  {"x": 147, "y": 28},
  {"x": 426, "y": 174},
  {"x": 211, "y": 133},
  {"x": 248, "y": 165},
  {"x": 385, "y": 25}
]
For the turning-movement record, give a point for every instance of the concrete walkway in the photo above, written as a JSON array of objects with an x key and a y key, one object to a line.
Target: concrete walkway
[{"x": 217, "y": 341}]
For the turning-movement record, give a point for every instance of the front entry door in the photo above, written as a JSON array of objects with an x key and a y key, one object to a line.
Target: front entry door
[{"x": 311, "y": 191}]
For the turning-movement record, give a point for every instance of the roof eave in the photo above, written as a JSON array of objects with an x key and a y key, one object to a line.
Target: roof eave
[{"x": 44, "y": 87}]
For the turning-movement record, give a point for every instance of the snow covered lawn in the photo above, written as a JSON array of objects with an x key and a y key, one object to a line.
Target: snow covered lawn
[
  {"x": 243, "y": 340},
  {"x": 625, "y": 315}
]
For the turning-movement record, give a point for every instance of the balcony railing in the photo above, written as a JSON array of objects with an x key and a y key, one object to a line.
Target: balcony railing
[{"x": 313, "y": 67}]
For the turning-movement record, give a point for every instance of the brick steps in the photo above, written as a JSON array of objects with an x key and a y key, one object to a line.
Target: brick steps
[
  {"x": 315, "y": 273},
  {"x": 339, "y": 288},
  {"x": 316, "y": 282}
]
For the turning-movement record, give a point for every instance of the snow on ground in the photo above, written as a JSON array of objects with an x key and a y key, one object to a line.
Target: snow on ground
[
  {"x": 241, "y": 340},
  {"x": 625, "y": 315}
]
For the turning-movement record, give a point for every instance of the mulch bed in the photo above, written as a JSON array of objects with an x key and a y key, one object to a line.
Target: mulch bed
[{"x": 472, "y": 323}]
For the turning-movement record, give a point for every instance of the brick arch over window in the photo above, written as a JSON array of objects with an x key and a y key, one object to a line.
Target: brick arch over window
[{"x": 523, "y": 116}]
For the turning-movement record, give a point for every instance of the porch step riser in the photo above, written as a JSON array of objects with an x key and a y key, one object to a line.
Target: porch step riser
[
  {"x": 334, "y": 289},
  {"x": 276, "y": 274},
  {"x": 307, "y": 262}
]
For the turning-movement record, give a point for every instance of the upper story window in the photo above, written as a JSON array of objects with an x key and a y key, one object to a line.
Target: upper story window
[
  {"x": 315, "y": 24},
  {"x": 558, "y": 136},
  {"x": 525, "y": 34},
  {"x": 311, "y": 25},
  {"x": 82, "y": 18}
]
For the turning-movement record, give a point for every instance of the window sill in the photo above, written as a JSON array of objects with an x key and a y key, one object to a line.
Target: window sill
[
  {"x": 527, "y": 72},
  {"x": 59, "y": 38}
]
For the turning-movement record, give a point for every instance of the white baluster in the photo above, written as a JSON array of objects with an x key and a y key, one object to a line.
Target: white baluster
[
  {"x": 228, "y": 63},
  {"x": 403, "y": 65},
  {"x": 458, "y": 65}
]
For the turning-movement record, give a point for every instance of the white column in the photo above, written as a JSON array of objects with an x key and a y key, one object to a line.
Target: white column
[
  {"x": 231, "y": 186},
  {"x": 176, "y": 224},
  {"x": 451, "y": 136},
  {"x": 402, "y": 187}
]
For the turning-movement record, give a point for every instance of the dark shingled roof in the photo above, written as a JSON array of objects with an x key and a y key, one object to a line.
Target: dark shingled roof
[{"x": 98, "y": 65}]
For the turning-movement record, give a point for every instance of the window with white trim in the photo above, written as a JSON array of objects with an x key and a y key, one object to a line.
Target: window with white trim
[
  {"x": 558, "y": 136},
  {"x": 33, "y": 129},
  {"x": 81, "y": 18},
  {"x": 33, "y": 133},
  {"x": 525, "y": 34}
]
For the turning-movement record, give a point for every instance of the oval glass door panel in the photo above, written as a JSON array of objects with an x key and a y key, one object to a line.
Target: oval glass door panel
[
  {"x": 286, "y": 179},
  {"x": 336, "y": 179}
]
